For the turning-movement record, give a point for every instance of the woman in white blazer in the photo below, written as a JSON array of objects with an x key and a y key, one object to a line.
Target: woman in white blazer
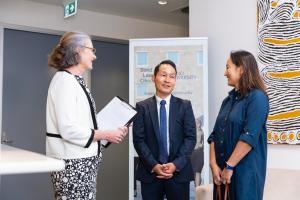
[{"x": 72, "y": 133}]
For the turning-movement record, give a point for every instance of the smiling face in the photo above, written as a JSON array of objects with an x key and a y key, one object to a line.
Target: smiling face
[
  {"x": 233, "y": 73},
  {"x": 164, "y": 80},
  {"x": 87, "y": 55}
]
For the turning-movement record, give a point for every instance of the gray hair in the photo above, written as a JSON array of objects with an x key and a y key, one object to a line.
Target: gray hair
[{"x": 65, "y": 54}]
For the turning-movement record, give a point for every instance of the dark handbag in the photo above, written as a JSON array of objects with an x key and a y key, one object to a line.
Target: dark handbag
[{"x": 226, "y": 192}]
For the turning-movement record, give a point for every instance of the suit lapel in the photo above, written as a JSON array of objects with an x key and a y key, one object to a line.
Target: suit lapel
[
  {"x": 172, "y": 120},
  {"x": 154, "y": 116}
]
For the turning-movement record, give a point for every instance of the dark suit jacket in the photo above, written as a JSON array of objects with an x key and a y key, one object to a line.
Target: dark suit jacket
[{"x": 182, "y": 138}]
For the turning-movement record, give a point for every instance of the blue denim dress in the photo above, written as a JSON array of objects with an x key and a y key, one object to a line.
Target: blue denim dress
[{"x": 243, "y": 119}]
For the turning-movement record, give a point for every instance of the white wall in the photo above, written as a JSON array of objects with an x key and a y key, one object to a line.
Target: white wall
[
  {"x": 231, "y": 25},
  {"x": 37, "y": 15}
]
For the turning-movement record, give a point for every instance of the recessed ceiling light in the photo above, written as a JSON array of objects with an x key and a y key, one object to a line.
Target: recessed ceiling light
[{"x": 162, "y": 2}]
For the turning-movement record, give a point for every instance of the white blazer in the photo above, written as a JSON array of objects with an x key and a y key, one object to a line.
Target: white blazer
[{"x": 69, "y": 121}]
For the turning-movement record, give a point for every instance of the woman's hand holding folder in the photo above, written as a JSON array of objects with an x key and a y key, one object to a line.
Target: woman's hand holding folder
[{"x": 114, "y": 136}]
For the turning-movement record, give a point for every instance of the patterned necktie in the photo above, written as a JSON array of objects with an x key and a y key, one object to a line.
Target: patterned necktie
[{"x": 163, "y": 151}]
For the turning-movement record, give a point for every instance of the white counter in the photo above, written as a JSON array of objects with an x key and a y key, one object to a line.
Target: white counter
[{"x": 16, "y": 161}]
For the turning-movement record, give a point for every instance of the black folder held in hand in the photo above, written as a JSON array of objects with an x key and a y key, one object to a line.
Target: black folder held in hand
[{"x": 115, "y": 114}]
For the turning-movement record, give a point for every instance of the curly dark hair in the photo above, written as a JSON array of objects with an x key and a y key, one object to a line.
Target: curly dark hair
[{"x": 65, "y": 53}]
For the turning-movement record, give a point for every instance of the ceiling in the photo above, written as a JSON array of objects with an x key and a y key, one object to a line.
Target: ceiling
[{"x": 142, "y": 9}]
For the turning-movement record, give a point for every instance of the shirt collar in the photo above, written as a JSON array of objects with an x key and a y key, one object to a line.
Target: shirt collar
[
  {"x": 167, "y": 99},
  {"x": 234, "y": 94}
]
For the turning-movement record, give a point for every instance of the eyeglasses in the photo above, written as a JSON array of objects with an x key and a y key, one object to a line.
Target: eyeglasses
[{"x": 91, "y": 48}]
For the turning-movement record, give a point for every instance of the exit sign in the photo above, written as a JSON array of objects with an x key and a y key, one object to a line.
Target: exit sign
[{"x": 70, "y": 8}]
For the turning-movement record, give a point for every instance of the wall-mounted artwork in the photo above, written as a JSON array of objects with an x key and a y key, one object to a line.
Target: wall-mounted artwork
[{"x": 279, "y": 60}]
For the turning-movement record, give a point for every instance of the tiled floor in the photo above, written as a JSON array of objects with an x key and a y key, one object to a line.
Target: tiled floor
[{"x": 139, "y": 197}]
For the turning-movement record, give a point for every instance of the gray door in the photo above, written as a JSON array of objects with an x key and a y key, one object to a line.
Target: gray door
[
  {"x": 110, "y": 77},
  {"x": 26, "y": 78}
]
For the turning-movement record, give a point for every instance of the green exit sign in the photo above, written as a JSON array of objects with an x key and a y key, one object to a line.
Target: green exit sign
[{"x": 70, "y": 8}]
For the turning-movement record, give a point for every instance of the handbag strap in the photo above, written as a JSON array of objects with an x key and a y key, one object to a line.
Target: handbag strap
[
  {"x": 226, "y": 195},
  {"x": 219, "y": 196},
  {"x": 226, "y": 192}
]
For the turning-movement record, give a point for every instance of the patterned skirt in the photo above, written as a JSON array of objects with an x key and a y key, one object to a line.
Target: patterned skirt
[{"x": 78, "y": 180}]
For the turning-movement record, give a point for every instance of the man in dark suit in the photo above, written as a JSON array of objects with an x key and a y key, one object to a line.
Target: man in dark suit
[{"x": 164, "y": 136}]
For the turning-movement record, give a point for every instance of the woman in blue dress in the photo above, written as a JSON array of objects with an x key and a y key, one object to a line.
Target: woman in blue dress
[{"x": 238, "y": 143}]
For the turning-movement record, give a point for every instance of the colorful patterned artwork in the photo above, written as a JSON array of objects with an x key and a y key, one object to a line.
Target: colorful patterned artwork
[{"x": 279, "y": 60}]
